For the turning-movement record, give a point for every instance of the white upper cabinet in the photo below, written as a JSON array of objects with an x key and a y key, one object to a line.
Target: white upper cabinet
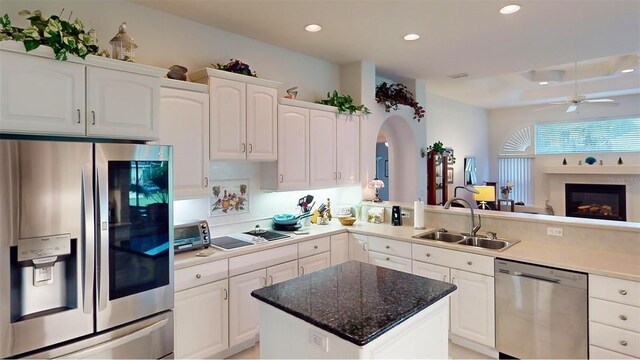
[
  {"x": 122, "y": 105},
  {"x": 293, "y": 149},
  {"x": 262, "y": 126},
  {"x": 243, "y": 114},
  {"x": 228, "y": 120},
  {"x": 322, "y": 148},
  {"x": 184, "y": 123},
  {"x": 96, "y": 97},
  {"x": 41, "y": 96},
  {"x": 348, "y": 149}
]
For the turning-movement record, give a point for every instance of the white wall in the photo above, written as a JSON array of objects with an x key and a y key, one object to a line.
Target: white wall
[
  {"x": 165, "y": 40},
  {"x": 463, "y": 127},
  {"x": 503, "y": 122}
]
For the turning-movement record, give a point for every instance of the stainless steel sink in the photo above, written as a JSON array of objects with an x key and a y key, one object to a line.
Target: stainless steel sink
[
  {"x": 440, "y": 236},
  {"x": 466, "y": 240}
]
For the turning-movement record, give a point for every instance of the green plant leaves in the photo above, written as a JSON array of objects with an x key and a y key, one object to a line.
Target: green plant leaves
[
  {"x": 5, "y": 22},
  {"x": 390, "y": 96},
  {"x": 344, "y": 103},
  {"x": 30, "y": 44}
]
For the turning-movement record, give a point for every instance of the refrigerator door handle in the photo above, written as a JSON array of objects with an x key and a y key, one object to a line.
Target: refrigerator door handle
[
  {"x": 103, "y": 239},
  {"x": 87, "y": 353},
  {"x": 88, "y": 234}
]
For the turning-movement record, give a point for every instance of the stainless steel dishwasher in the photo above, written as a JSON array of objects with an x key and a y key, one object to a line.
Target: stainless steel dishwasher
[{"x": 541, "y": 312}]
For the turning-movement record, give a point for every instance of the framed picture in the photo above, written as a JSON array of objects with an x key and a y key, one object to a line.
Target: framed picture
[
  {"x": 450, "y": 175},
  {"x": 229, "y": 197},
  {"x": 451, "y": 158}
]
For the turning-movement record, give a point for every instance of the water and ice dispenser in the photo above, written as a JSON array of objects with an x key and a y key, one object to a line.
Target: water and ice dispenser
[{"x": 43, "y": 276}]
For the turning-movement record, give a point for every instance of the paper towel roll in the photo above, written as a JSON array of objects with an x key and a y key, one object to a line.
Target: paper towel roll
[{"x": 418, "y": 214}]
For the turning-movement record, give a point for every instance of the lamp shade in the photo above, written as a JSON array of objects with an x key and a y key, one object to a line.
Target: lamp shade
[
  {"x": 485, "y": 193},
  {"x": 376, "y": 184}
]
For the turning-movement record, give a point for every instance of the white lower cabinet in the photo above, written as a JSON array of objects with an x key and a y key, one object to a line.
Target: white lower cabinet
[
  {"x": 473, "y": 307},
  {"x": 313, "y": 263},
  {"x": 358, "y": 249},
  {"x": 243, "y": 308},
  {"x": 431, "y": 271},
  {"x": 201, "y": 320},
  {"x": 339, "y": 248},
  {"x": 390, "y": 261}
]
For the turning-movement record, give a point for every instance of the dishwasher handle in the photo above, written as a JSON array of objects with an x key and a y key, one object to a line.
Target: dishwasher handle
[{"x": 536, "y": 277}]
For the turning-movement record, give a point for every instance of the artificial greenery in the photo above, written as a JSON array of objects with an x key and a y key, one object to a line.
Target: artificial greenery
[
  {"x": 344, "y": 103},
  {"x": 62, "y": 36},
  {"x": 390, "y": 96},
  {"x": 439, "y": 149},
  {"x": 236, "y": 66}
]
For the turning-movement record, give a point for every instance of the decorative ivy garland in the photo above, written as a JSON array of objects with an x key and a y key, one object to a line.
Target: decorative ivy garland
[
  {"x": 344, "y": 103},
  {"x": 390, "y": 96}
]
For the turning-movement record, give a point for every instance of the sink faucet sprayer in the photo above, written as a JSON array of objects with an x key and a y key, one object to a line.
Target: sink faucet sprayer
[{"x": 473, "y": 229}]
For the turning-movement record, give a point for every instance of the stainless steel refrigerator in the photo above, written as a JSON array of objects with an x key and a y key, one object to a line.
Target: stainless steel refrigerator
[{"x": 86, "y": 262}]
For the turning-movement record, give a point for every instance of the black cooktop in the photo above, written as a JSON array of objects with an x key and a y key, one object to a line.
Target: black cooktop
[{"x": 268, "y": 235}]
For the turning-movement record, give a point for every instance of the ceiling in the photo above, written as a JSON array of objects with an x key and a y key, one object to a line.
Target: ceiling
[{"x": 457, "y": 36}]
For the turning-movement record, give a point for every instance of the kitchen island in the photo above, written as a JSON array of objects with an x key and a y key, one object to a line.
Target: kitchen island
[{"x": 355, "y": 310}]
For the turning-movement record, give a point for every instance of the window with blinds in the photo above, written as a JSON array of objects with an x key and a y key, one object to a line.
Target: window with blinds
[
  {"x": 604, "y": 135},
  {"x": 518, "y": 171}
]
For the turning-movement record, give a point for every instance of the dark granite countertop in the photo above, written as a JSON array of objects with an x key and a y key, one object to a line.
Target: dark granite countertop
[{"x": 355, "y": 301}]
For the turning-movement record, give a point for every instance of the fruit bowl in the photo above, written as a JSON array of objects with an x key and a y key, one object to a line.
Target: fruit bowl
[{"x": 347, "y": 221}]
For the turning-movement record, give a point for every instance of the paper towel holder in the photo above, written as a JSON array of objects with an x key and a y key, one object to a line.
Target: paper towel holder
[{"x": 416, "y": 212}]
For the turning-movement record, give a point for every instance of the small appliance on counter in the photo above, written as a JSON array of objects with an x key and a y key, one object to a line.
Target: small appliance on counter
[
  {"x": 191, "y": 236},
  {"x": 396, "y": 216},
  {"x": 255, "y": 236}
]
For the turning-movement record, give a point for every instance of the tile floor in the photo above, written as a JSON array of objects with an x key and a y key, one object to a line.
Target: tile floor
[{"x": 455, "y": 352}]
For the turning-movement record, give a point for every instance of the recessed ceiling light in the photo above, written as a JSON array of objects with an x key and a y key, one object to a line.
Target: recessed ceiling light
[
  {"x": 510, "y": 9},
  {"x": 626, "y": 71},
  {"x": 543, "y": 83},
  {"x": 411, "y": 37},
  {"x": 313, "y": 28}
]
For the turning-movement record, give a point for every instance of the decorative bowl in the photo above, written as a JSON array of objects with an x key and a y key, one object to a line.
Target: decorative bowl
[{"x": 347, "y": 221}]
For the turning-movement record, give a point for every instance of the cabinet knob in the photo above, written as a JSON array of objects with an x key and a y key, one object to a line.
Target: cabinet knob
[
  {"x": 250, "y": 148},
  {"x": 244, "y": 148},
  {"x": 623, "y": 317},
  {"x": 93, "y": 117},
  {"x": 206, "y": 181},
  {"x": 281, "y": 178},
  {"x": 339, "y": 175},
  {"x": 623, "y": 343},
  {"x": 198, "y": 276},
  {"x": 78, "y": 116},
  {"x": 301, "y": 270},
  {"x": 315, "y": 247},
  {"x": 226, "y": 294},
  {"x": 428, "y": 255},
  {"x": 386, "y": 247},
  {"x": 623, "y": 292},
  {"x": 469, "y": 263},
  {"x": 270, "y": 279}
]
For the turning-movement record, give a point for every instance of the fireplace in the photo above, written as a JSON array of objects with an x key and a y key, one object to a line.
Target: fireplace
[{"x": 596, "y": 201}]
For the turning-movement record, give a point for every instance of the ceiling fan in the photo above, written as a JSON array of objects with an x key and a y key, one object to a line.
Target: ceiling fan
[{"x": 574, "y": 101}]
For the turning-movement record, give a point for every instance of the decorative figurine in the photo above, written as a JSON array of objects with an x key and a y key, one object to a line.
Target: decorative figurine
[
  {"x": 123, "y": 47},
  {"x": 590, "y": 160},
  {"x": 564, "y": 161},
  {"x": 579, "y": 162},
  {"x": 292, "y": 93},
  {"x": 620, "y": 161},
  {"x": 177, "y": 72},
  {"x": 601, "y": 162}
]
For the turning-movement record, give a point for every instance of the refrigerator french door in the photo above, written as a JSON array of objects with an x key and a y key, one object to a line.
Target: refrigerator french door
[{"x": 85, "y": 246}]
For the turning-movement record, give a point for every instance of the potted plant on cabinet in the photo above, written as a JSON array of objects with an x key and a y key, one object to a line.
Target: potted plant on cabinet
[{"x": 390, "y": 96}]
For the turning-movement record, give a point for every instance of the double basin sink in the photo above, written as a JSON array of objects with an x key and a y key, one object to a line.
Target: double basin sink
[{"x": 468, "y": 240}]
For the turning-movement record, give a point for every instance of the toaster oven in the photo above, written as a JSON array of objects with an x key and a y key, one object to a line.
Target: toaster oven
[{"x": 191, "y": 236}]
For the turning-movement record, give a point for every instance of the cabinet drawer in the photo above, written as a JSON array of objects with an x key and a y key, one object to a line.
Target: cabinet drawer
[
  {"x": 618, "y": 290},
  {"x": 455, "y": 259},
  {"x": 600, "y": 353},
  {"x": 391, "y": 247},
  {"x": 390, "y": 261},
  {"x": 200, "y": 274},
  {"x": 315, "y": 246},
  {"x": 262, "y": 259},
  {"x": 611, "y": 338},
  {"x": 614, "y": 314}
]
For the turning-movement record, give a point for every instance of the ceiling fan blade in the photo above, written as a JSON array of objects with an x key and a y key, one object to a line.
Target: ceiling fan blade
[
  {"x": 572, "y": 108},
  {"x": 548, "y": 107},
  {"x": 601, "y": 103},
  {"x": 560, "y": 103},
  {"x": 599, "y": 100}
]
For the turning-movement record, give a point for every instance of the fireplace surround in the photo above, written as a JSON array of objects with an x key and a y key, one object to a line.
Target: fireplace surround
[{"x": 596, "y": 201}]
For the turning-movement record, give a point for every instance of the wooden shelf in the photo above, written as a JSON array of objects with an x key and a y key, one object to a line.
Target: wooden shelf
[{"x": 593, "y": 169}]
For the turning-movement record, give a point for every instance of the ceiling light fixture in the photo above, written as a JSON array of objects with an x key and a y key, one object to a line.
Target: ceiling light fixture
[
  {"x": 626, "y": 71},
  {"x": 411, "y": 37},
  {"x": 509, "y": 9},
  {"x": 543, "y": 83},
  {"x": 313, "y": 28}
]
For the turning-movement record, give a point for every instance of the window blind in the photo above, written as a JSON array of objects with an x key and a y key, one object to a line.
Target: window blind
[
  {"x": 606, "y": 135},
  {"x": 518, "y": 171}
]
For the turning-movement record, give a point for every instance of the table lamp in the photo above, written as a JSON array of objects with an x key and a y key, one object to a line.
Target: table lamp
[
  {"x": 376, "y": 184},
  {"x": 485, "y": 193}
]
